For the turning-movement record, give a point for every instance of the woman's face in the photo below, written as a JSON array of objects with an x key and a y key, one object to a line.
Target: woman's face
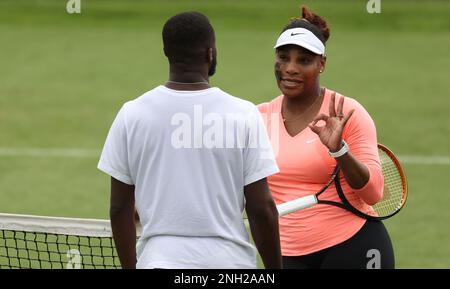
[{"x": 297, "y": 70}]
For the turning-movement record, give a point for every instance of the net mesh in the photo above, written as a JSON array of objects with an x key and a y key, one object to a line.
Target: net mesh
[{"x": 38, "y": 249}]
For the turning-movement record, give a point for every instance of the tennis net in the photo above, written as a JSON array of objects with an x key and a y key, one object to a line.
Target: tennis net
[{"x": 56, "y": 243}]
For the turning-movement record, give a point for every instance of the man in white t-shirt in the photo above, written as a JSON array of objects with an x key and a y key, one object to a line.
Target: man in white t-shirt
[{"x": 191, "y": 158}]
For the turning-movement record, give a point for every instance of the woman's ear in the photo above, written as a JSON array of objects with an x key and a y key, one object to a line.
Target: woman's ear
[{"x": 323, "y": 61}]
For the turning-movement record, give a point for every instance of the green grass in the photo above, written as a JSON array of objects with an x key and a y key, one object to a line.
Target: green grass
[{"x": 63, "y": 77}]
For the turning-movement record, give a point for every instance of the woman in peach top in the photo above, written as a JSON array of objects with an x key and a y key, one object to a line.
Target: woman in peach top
[{"x": 305, "y": 124}]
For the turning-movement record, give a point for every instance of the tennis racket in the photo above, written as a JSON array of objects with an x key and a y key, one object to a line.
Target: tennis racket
[{"x": 394, "y": 194}]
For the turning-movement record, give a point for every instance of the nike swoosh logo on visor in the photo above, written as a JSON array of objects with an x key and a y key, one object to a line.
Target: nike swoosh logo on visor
[{"x": 293, "y": 34}]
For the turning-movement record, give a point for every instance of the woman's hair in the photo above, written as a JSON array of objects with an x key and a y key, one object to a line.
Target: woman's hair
[{"x": 312, "y": 22}]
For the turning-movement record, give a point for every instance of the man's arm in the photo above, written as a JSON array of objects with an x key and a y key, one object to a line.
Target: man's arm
[
  {"x": 122, "y": 222},
  {"x": 263, "y": 219}
]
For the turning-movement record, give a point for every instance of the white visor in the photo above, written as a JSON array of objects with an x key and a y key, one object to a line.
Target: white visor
[{"x": 301, "y": 37}]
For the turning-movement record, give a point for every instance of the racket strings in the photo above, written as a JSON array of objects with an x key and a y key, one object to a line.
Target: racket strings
[{"x": 393, "y": 193}]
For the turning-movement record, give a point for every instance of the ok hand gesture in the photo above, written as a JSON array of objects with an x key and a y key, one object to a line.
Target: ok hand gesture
[{"x": 331, "y": 133}]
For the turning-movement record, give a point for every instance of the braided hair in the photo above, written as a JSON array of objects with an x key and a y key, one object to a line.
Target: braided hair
[{"x": 314, "y": 23}]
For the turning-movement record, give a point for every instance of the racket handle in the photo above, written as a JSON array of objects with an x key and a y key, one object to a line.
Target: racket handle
[{"x": 296, "y": 205}]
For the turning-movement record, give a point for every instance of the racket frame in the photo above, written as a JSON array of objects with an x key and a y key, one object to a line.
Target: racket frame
[{"x": 311, "y": 200}]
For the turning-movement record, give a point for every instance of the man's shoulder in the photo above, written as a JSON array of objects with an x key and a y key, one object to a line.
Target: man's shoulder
[
  {"x": 156, "y": 91},
  {"x": 136, "y": 102},
  {"x": 239, "y": 103}
]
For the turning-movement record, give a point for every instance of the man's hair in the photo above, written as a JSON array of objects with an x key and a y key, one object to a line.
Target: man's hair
[{"x": 186, "y": 38}]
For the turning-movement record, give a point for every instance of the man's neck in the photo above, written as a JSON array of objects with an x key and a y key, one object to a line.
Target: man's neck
[
  {"x": 187, "y": 81},
  {"x": 187, "y": 85}
]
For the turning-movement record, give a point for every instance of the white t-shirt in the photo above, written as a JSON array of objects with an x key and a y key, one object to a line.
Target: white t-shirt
[{"x": 189, "y": 155}]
